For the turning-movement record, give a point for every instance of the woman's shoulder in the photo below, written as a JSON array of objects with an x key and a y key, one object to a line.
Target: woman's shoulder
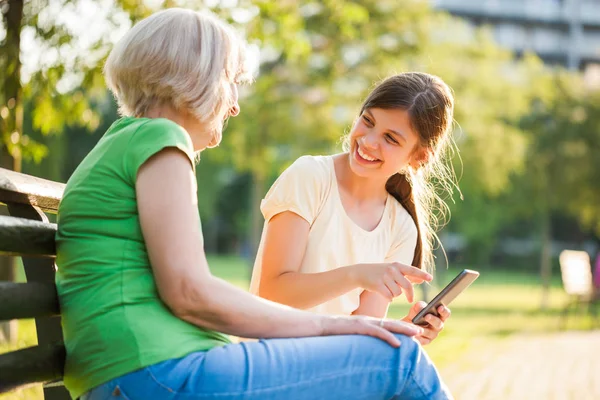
[
  {"x": 163, "y": 127},
  {"x": 140, "y": 131},
  {"x": 310, "y": 175},
  {"x": 313, "y": 163},
  {"x": 133, "y": 124},
  {"x": 160, "y": 123},
  {"x": 309, "y": 168},
  {"x": 302, "y": 188},
  {"x": 158, "y": 133}
]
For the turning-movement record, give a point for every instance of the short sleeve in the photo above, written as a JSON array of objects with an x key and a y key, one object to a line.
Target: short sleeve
[
  {"x": 404, "y": 242},
  {"x": 152, "y": 137},
  {"x": 300, "y": 189}
]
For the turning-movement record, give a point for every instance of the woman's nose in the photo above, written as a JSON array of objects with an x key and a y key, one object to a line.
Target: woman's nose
[{"x": 370, "y": 141}]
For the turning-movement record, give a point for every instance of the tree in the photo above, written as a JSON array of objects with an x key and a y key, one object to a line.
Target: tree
[
  {"x": 54, "y": 90},
  {"x": 562, "y": 175},
  {"x": 495, "y": 147}
]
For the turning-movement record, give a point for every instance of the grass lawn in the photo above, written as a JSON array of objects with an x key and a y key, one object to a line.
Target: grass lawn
[{"x": 497, "y": 305}]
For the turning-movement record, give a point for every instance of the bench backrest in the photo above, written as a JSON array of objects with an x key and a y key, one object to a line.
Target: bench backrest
[
  {"x": 576, "y": 272},
  {"x": 28, "y": 234}
]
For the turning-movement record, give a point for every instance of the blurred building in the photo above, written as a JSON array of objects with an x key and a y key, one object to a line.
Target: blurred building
[{"x": 564, "y": 32}]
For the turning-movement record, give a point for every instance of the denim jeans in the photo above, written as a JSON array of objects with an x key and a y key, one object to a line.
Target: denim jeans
[{"x": 315, "y": 368}]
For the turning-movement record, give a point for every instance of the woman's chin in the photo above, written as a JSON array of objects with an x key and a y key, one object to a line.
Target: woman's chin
[
  {"x": 215, "y": 140},
  {"x": 359, "y": 170},
  {"x": 213, "y": 144}
]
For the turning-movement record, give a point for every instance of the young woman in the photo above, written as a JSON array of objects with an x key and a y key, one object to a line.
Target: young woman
[
  {"x": 143, "y": 317},
  {"x": 342, "y": 231}
]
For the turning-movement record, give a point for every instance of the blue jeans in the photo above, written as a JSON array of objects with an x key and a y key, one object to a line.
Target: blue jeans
[{"x": 314, "y": 368}]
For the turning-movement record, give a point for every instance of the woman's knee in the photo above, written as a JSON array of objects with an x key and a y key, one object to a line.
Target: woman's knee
[
  {"x": 410, "y": 370},
  {"x": 418, "y": 377},
  {"x": 409, "y": 341},
  {"x": 411, "y": 351},
  {"x": 370, "y": 350}
]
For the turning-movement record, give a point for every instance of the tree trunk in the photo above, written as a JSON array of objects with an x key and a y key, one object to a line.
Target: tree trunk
[
  {"x": 11, "y": 123},
  {"x": 546, "y": 257},
  {"x": 11, "y": 103}
]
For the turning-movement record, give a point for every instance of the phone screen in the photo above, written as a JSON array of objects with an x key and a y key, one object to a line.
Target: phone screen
[{"x": 445, "y": 297}]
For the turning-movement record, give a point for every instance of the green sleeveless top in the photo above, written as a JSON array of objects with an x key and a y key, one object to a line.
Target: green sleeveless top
[{"x": 113, "y": 319}]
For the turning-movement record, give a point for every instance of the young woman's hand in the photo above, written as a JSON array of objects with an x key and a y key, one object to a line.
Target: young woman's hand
[
  {"x": 434, "y": 324},
  {"x": 389, "y": 279},
  {"x": 383, "y": 329}
]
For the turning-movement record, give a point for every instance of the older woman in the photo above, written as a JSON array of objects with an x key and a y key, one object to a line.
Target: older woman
[{"x": 143, "y": 317}]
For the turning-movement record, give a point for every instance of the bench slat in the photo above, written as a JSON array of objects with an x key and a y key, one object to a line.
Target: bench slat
[
  {"x": 31, "y": 365},
  {"x": 19, "y": 236},
  {"x": 21, "y": 188},
  {"x": 28, "y": 300}
]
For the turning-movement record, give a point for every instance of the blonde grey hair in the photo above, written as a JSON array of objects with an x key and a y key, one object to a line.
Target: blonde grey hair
[{"x": 186, "y": 59}]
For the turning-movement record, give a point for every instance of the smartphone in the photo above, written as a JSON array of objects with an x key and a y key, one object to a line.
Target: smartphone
[{"x": 449, "y": 293}]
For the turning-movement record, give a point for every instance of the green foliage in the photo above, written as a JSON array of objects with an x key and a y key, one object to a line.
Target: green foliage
[
  {"x": 563, "y": 171},
  {"x": 522, "y": 132},
  {"x": 61, "y": 91}
]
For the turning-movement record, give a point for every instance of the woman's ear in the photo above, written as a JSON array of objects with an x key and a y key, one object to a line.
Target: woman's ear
[{"x": 419, "y": 158}]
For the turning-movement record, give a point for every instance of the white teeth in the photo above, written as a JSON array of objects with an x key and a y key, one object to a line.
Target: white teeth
[{"x": 366, "y": 157}]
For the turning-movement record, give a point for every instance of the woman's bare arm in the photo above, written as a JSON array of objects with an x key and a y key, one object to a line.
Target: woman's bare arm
[
  {"x": 282, "y": 253},
  {"x": 167, "y": 204}
]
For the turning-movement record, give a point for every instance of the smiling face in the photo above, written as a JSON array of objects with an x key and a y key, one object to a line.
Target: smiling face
[{"x": 382, "y": 143}]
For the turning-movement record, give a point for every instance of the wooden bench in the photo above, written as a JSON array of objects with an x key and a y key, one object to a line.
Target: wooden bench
[{"x": 28, "y": 234}]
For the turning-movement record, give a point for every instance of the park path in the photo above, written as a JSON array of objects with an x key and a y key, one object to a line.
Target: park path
[{"x": 557, "y": 366}]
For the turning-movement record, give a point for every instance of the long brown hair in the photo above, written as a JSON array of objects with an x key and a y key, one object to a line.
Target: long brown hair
[{"x": 430, "y": 106}]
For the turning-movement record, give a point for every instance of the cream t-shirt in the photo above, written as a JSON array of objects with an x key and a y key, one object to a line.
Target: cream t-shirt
[{"x": 309, "y": 189}]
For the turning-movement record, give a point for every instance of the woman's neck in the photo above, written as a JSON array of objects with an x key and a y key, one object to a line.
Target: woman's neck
[
  {"x": 359, "y": 188},
  {"x": 199, "y": 133}
]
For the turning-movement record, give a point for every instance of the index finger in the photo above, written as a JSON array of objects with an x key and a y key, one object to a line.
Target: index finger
[
  {"x": 414, "y": 272},
  {"x": 405, "y": 284},
  {"x": 415, "y": 280}
]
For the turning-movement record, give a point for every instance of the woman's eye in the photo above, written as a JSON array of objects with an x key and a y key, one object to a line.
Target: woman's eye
[
  {"x": 367, "y": 120},
  {"x": 391, "y": 139}
]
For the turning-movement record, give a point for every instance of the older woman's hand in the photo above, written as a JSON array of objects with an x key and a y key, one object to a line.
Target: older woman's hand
[
  {"x": 383, "y": 329},
  {"x": 435, "y": 324}
]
